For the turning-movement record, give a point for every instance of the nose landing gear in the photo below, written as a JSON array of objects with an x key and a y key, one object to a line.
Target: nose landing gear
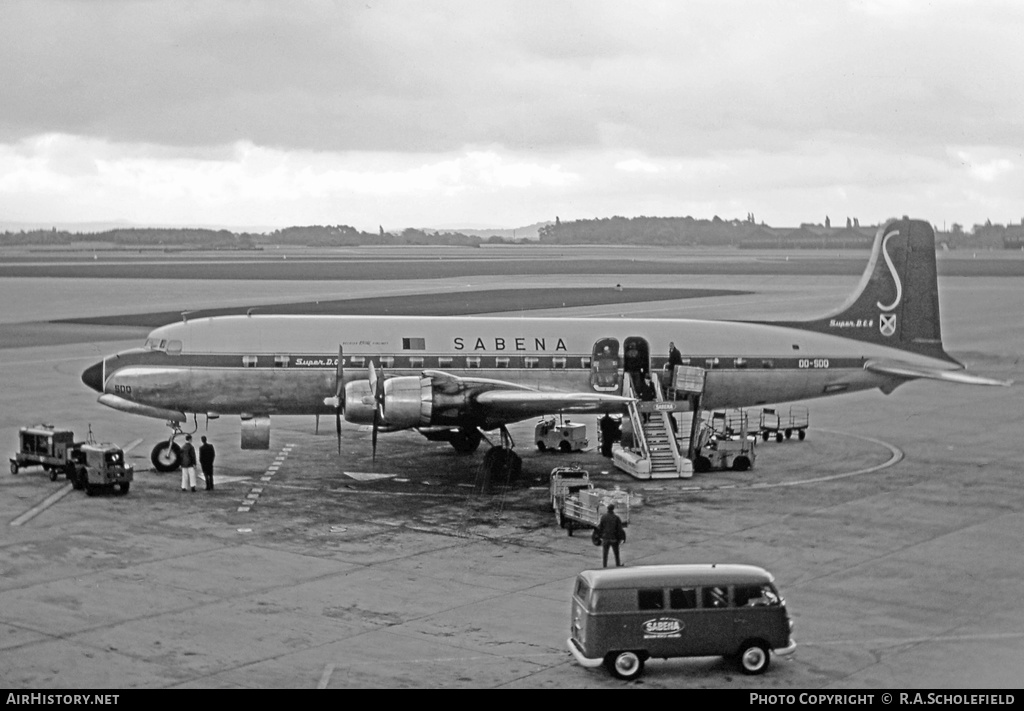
[{"x": 166, "y": 455}]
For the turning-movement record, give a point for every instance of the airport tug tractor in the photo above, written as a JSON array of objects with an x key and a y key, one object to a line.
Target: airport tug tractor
[
  {"x": 99, "y": 466},
  {"x": 563, "y": 436}
]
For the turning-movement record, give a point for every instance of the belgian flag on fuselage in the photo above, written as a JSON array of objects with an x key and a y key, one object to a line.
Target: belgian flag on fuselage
[{"x": 896, "y": 303}]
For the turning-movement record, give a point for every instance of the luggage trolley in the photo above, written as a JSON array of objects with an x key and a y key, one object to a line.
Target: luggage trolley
[
  {"x": 773, "y": 423},
  {"x": 578, "y": 504}
]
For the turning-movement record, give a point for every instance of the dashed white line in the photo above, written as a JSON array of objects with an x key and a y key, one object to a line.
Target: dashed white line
[{"x": 254, "y": 493}]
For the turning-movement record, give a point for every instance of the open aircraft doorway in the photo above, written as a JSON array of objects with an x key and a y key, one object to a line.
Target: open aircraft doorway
[{"x": 637, "y": 361}]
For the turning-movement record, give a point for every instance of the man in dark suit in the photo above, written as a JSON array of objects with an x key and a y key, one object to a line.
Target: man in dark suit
[
  {"x": 612, "y": 534},
  {"x": 674, "y": 358},
  {"x": 206, "y": 455}
]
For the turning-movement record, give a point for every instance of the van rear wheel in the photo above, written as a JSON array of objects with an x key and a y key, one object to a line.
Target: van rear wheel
[
  {"x": 625, "y": 665},
  {"x": 754, "y": 658}
]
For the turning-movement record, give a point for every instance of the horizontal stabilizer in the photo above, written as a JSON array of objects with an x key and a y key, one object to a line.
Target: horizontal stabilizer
[{"x": 906, "y": 370}]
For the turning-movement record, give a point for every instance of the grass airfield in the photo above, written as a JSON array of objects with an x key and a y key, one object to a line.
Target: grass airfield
[{"x": 891, "y": 530}]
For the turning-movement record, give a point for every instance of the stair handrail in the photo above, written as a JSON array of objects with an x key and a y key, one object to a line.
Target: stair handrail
[
  {"x": 639, "y": 437},
  {"x": 677, "y": 458}
]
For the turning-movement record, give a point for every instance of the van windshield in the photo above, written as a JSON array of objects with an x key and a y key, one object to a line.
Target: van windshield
[{"x": 582, "y": 591}]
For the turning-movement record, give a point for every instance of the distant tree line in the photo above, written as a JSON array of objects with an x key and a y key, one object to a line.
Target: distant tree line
[
  {"x": 747, "y": 234},
  {"x": 664, "y": 231}
]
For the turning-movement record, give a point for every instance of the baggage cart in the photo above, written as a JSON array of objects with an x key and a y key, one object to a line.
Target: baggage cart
[
  {"x": 577, "y": 504},
  {"x": 44, "y": 446},
  {"x": 774, "y": 424}
]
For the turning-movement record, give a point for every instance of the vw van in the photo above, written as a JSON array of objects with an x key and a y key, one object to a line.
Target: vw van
[{"x": 621, "y": 617}]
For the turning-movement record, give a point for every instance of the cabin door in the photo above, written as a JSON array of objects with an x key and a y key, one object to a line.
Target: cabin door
[{"x": 605, "y": 375}]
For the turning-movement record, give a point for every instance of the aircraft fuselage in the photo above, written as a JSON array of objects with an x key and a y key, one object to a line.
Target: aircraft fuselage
[{"x": 264, "y": 365}]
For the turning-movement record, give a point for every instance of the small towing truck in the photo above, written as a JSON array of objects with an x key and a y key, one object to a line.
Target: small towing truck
[
  {"x": 90, "y": 465},
  {"x": 725, "y": 443},
  {"x": 99, "y": 466},
  {"x": 565, "y": 436}
]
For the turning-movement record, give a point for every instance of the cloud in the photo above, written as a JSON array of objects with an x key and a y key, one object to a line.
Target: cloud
[{"x": 505, "y": 109}]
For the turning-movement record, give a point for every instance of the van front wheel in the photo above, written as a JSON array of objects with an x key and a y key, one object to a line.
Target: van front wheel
[
  {"x": 754, "y": 658},
  {"x": 625, "y": 665}
]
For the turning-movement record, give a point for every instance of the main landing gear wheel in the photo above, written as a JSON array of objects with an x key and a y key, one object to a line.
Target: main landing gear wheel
[
  {"x": 754, "y": 658},
  {"x": 166, "y": 456},
  {"x": 466, "y": 441},
  {"x": 500, "y": 465},
  {"x": 625, "y": 665},
  {"x": 503, "y": 463}
]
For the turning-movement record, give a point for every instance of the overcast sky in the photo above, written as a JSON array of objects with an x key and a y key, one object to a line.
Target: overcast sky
[{"x": 504, "y": 113}]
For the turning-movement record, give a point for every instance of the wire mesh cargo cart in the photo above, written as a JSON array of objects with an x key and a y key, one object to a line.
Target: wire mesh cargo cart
[
  {"x": 774, "y": 424},
  {"x": 577, "y": 504}
]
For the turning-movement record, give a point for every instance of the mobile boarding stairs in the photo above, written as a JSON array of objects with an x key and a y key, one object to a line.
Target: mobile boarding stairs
[{"x": 657, "y": 450}]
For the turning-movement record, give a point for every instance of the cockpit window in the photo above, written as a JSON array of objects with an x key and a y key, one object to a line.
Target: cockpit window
[{"x": 162, "y": 344}]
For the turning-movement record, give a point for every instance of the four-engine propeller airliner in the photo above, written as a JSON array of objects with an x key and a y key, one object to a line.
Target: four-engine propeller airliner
[{"x": 454, "y": 378}]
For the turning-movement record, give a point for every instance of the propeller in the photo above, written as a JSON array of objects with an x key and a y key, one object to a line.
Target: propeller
[
  {"x": 338, "y": 401},
  {"x": 339, "y": 395},
  {"x": 377, "y": 386}
]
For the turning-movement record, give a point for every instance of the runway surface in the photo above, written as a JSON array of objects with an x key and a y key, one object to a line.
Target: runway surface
[{"x": 900, "y": 572}]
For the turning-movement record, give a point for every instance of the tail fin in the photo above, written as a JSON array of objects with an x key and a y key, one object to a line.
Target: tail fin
[{"x": 896, "y": 303}]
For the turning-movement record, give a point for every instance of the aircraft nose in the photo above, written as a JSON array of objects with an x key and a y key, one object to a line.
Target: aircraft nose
[{"x": 93, "y": 377}]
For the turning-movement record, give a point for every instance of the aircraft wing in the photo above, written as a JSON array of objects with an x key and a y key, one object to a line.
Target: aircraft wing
[{"x": 900, "y": 369}]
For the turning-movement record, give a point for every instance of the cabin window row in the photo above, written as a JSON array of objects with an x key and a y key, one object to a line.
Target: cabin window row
[{"x": 441, "y": 362}]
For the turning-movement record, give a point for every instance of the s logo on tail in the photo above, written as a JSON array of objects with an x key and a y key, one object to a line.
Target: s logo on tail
[{"x": 895, "y": 277}]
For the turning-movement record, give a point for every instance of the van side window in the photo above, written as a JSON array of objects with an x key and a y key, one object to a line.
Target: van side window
[
  {"x": 682, "y": 598},
  {"x": 755, "y": 596},
  {"x": 715, "y": 597},
  {"x": 650, "y": 599}
]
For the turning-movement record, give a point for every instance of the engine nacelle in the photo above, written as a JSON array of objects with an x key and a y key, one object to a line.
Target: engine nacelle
[{"x": 408, "y": 402}]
